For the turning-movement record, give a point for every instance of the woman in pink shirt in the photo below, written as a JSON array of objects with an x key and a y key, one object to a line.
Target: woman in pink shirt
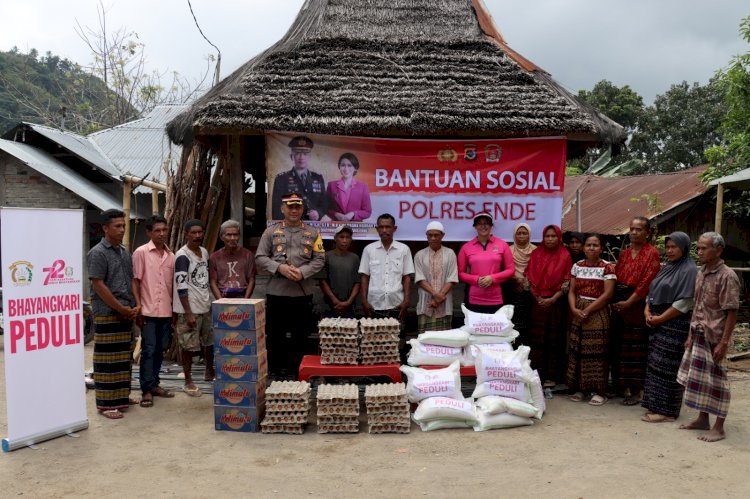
[
  {"x": 348, "y": 200},
  {"x": 484, "y": 263}
]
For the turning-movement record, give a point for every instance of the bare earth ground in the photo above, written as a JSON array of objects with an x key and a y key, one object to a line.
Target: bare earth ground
[{"x": 576, "y": 451}]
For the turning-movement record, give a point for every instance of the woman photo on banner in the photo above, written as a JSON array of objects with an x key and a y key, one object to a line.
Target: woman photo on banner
[{"x": 348, "y": 199}]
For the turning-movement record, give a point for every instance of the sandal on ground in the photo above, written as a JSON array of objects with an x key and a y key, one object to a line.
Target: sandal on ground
[
  {"x": 576, "y": 397},
  {"x": 112, "y": 414},
  {"x": 161, "y": 392},
  {"x": 147, "y": 400},
  {"x": 209, "y": 377},
  {"x": 656, "y": 418},
  {"x": 132, "y": 401},
  {"x": 598, "y": 400},
  {"x": 193, "y": 391},
  {"x": 630, "y": 401},
  {"x": 549, "y": 384}
]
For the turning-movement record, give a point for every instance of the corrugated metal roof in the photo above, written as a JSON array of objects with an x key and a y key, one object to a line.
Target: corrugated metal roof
[
  {"x": 739, "y": 180},
  {"x": 78, "y": 145},
  {"x": 140, "y": 147},
  {"x": 609, "y": 203},
  {"x": 50, "y": 167}
]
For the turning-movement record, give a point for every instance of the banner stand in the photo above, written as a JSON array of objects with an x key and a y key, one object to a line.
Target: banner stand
[{"x": 11, "y": 445}]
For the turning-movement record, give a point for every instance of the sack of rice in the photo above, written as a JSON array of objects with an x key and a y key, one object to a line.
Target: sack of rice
[
  {"x": 425, "y": 383},
  {"x": 504, "y": 420},
  {"x": 497, "y": 324},
  {"x": 444, "y": 408},
  {"x": 497, "y": 405},
  {"x": 469, "y": 354},
  {"x": 492, "y": 365},
  {"x": 450, "y": 338},
  {"x": 422, "y": 354}
]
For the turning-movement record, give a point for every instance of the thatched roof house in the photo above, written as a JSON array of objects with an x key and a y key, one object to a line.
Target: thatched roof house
[{"x": 414, "y": 68}]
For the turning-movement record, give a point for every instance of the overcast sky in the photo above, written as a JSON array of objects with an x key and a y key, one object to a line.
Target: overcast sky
[{"x": 647, "y": 44}]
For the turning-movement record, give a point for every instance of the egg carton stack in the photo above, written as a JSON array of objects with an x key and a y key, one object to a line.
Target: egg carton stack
[
  {"x": 338, "y": 408},
  {"x": 287, "y": 407},
  {"x": 387, "y": 408},
  {"x": 379, "y": 344},
  {"x": 339, "y": 340}
]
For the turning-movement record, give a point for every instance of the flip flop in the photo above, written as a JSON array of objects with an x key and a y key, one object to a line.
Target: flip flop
[
  {"x": 161, "y": 392},
  {"x": 193, "y": 392},
  {"x": 576, "y": 397},
  {"x": 112, "y": 414},
  {"x": 598, "y": 400},
  {"x": 656, "y": 418},
  {"x": 133, "y": 401},
  {"x": 630, "y": 401},
  {"x": 147, "y": 402}
]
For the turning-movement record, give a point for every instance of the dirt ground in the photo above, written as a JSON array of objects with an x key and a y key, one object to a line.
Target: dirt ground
[{"x": 576, "y": 451}]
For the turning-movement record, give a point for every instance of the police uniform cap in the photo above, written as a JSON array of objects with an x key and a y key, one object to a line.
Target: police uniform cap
[
  {"x": 301, "y": 142},
  {"x": 292, "y": 198}
]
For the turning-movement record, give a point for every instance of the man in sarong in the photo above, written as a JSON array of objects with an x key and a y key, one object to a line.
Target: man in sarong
[
  {"x": 436, "y": 272},
  {"x": 703, "y": 369}
]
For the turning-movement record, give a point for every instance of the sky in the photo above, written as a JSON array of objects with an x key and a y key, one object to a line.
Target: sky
[{"x": 647, "y": 44}]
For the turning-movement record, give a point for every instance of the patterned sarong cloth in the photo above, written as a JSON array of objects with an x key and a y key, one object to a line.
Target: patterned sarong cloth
[
  {"x": 662, "y": 393},
  {"x": 706, "y": 383},
  {"x": 629, "y": 344},
  {"x": 113, "y": 356},
  {"x": 546, "y": 338},
  {"x": 588, "y": 354},
  {"x": 426, "y": 323}
]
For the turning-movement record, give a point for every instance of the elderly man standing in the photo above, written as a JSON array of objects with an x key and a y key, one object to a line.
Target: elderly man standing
[
  {"x": 192, "y": 304},
  {"x": 436, "y": 271},
  {"x": 153, "y": 273},
  {"x": 703, "y": 369},
  {"x": 110, "y": 269},
  {"x": 292, "y": 253},
  {"x": 231, "y": 270}
]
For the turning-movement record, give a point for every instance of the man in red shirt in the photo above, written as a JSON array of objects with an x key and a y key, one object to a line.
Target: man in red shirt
[{"x": 231, "y": 270}]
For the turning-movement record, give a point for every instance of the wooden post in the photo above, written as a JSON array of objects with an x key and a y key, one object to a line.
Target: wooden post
[
  {"x": 719, "y": 207},
  {"x": 154, "y": 202},
  {"x": 236, "y": 182},
  {"x": 127, "y": 187}
]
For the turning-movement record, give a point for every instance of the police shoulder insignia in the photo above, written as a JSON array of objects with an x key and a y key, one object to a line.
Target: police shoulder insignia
[{"x": 318, "y": 246}]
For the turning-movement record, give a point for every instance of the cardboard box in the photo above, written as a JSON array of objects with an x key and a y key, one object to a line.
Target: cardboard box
[
  {"x": 238, "y": 342},
  {"x": 244, "y": 419},
  {"x": 241, "y": 367},
  {"x": 240, "y": 393},
  {"x": 238, "y": 313}
]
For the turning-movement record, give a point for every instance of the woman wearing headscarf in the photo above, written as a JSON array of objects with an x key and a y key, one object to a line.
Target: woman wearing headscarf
[
  {"x": 548, "y": 275},
  {"x": 516, "y": 290},
  {"x": 668, "y": 311},
  {"x": 636, "y": 267}
]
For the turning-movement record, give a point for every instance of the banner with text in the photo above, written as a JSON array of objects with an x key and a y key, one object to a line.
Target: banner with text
[
  {"x": 354, "y": 179},
  {"x": 42, "y": 276}
]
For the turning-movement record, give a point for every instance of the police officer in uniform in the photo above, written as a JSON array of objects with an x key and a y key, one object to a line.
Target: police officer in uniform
[
  {"x": 308, "y": 184},
  {"x": 292, "y": 253}
]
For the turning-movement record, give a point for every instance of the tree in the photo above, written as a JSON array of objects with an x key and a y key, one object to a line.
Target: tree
[
  {"x": 682, "y": 123},
  {"x": 621, "y": 104}
]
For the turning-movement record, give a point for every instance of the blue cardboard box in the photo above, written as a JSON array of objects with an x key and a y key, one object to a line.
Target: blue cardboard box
[
  {"x": 241, "y": 367},
  {"x": 244, "y": 419},
  {"x": 240, "y": 393},
  {"x": 239, "y": 342}
]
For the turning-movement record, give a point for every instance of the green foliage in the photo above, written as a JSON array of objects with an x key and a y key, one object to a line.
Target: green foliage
[
  {"x": 39, "y": 89},
  {"x": 621, "y": 104}
]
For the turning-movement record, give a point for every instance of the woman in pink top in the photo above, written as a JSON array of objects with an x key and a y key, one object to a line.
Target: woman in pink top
[
  {"x": 484, "y": 263},
  {"x": 348, "y": 200}
]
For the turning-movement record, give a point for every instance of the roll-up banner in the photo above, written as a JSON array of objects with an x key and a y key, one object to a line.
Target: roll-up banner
[
  {"x": 42, "y": 274},
  {"x": 353, "y": 180}
]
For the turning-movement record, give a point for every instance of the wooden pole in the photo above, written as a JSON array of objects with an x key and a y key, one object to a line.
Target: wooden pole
[
  {"x": 719, "y": 207},
  {"x": 146, "y": 183},
  {"x": 154, "y": 202},
  {"x": 236, "y": 181},
  {"x": 127, "y": 187}
]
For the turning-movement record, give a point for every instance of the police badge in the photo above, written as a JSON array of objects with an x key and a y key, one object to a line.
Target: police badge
[
  {"x": 492, "y": 153},
  {"x": 470, "y": 152}
]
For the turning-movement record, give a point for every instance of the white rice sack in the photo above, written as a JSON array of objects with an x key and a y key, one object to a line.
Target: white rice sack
[
  {"x": 422, "y": 354},
  {"x": 503, "y": 420},
  {"x": 480, "y": 339},
  {"x": 507, "y": 388},
  {"x": 492, "y": 365},
  {"x": 446, "y": 408},
  {"x": 450, "y": 338},
  {"x": 424, "y": 383},
  {"x": 497, "y": 324},
  {"x": 469, "y": 356},
  {"x": 498, "y": 405},
  {"x": 444, "y": 424},
  {"x": 537, "y": 394}
]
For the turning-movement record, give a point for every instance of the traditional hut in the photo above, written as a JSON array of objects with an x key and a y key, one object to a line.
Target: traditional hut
[{"x": 389, "y": 68}]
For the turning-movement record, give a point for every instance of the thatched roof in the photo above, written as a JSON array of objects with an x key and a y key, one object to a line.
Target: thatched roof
[{"x": 393, "y": 68}]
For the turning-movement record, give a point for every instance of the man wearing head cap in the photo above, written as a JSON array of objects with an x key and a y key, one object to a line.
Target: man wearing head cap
[
  {"x": 292, "y": 253},
  {"x": 308, "y": 184},
  {"x": 340, "y": 285},
  {"x": 435, "y": 272}
]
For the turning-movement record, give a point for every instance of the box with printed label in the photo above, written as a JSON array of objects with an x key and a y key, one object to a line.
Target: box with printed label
[
  {"x": 241, "y": 367},
  {"x": 238, "y": 342},
  {"x": 238, "y": 313},
  {"x": 239, "y": 393},
  {"x": 230, "y": 418}
]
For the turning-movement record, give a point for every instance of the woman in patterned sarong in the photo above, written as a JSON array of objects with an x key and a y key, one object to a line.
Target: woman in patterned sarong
[
  {"x": 668, "y": 312},
  {"x": 636, "y": 267},
  {"x": 548, "y": 275},
  {"x": 592, "y": 284}
]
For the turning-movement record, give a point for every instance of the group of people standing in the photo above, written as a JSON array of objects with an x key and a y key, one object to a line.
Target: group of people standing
[
  {"x": 158, "y": 290},
  {"x": 654, "y": 334}
]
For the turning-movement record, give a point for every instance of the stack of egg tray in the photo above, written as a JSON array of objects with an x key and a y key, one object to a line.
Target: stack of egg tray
[
  {"x": 380, "y": 339},
  {"x": 287, "y": 407},
  {"x": 387, "y": 408},
  {"x": 339, "y": 340},
  {"x": 338, "y": 408}
]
